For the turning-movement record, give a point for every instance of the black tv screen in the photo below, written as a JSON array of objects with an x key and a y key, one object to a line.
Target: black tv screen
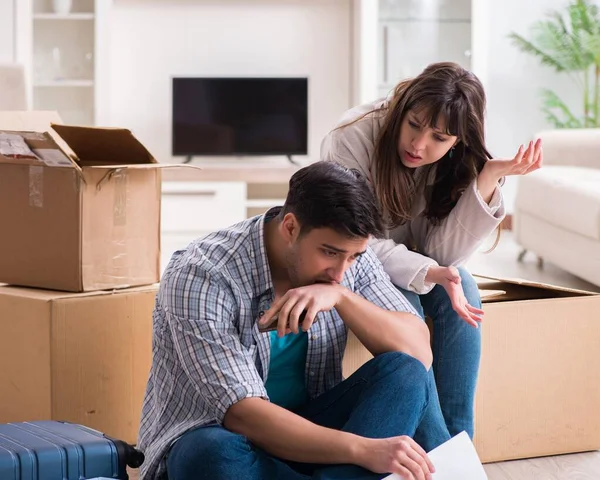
[{"x": 240, "y": 116}]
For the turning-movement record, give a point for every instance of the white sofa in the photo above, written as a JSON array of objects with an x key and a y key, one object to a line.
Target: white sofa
[{"x": 557, "y": 209}]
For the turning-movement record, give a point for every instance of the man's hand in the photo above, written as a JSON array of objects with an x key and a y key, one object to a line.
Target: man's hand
[
  {"x": 399, "y": 455},
  {"x": 320, "y": 297},
  {"x": 449, "y": 279}
]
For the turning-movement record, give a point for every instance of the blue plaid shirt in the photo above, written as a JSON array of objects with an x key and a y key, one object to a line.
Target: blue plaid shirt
[{"x": 207, "y": 351}]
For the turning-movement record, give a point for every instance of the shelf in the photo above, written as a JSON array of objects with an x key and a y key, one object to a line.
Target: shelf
[
  {"x": 65, "y": 83},
  {"x": 425, "y": 20},
  {"x": 68, "y": 16},
  {"x": 265, "y": 203}
]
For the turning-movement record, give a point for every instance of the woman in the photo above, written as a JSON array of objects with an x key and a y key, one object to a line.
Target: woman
[{"x": 423, "y": 151}]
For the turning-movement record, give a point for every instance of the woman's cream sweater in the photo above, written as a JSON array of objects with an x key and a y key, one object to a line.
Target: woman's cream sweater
[{"x": 410, "y": 249}]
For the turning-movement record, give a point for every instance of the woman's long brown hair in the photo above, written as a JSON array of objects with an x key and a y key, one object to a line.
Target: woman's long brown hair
[{"x": 442, "y": 91}]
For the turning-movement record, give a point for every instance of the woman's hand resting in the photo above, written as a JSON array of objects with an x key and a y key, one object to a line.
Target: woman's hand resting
[{"x": 449, "y": 279}]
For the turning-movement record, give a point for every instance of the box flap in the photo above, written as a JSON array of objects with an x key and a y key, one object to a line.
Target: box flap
[
  {"x": 487, "y": 294},
  {"x": 529, "y": 283},
  {"x": 112, "y": 169},
  {"x": 104, "y": 146},
  {"x": 144, "y": 166},
  {"x": 34, "y": 128}
]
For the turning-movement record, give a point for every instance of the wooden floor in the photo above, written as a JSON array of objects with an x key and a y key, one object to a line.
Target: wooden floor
[
  {"x": 503, "y": 262},
  {"x": 581, "y": 466}
]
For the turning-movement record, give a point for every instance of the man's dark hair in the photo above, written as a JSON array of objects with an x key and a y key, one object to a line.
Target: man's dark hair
[{"x": 330, "y": 195}]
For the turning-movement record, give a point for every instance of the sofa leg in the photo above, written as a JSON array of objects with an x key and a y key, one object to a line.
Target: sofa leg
[
  {"x": 540, "y": 262},
  {"x": 522, "y": 254}
]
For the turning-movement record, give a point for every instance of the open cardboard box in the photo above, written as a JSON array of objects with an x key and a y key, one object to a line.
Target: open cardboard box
[
  {"x": 78, "y": 357},
  {"x": 539, "y": 388},
  {"x": 79, "y": 206}
]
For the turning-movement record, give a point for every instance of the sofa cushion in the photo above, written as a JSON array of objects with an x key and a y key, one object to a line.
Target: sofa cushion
[{"x": 567, "y": 197}]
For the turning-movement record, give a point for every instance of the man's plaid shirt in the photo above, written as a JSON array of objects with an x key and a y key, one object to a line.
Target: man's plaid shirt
[{"x": 207, "y": 351}]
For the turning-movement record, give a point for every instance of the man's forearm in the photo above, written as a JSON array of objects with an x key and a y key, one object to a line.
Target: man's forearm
[
  {"x": 382, "y": 331},
  {"x": 288, "y": 436}
]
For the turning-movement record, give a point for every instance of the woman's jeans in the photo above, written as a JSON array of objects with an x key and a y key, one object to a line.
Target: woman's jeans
[
  {"x": 456, "y": 349},
  {"x": 386, "y": 397}
]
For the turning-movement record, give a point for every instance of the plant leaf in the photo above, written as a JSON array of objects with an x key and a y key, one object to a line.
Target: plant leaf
[
  {"x": 553, "y": 106},
  {"x": 528, "y": 47}
]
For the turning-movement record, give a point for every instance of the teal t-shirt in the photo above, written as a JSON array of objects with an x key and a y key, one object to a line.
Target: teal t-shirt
[{"x": 285, "y": 383}]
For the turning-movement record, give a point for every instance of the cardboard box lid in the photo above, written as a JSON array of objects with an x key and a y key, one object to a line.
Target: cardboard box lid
[
  {"x": 104, "y": 146},
  {"x": 506, "y": 289},
  {"x": 487, "y": 294},
  {"x": 77, "y": 146},
  {"x": 53, "y": 295},
  {"x": 109, "y": 148}
]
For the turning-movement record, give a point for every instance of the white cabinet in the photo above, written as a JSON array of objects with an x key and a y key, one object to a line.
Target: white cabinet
[
  {"x": 65, "y": 55},
  {"x": 7, "y": 31},
  {"x": 414, "y": 34},
  {"x": 194, "y": 209}
]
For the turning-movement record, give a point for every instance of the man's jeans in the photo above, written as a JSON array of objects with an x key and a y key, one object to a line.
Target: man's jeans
[
  {"x": 386, "y": 397},
  {"x": 456, "y": 353}
]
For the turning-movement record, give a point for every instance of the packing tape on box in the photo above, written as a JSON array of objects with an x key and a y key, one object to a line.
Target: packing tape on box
[
  {"x": 36, "y": 186},
  {"x": 120, "y": 198},
  {"x": 106, "y": 177}
]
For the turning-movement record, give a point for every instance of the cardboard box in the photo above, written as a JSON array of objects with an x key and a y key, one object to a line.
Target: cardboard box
[
  {"x": 82, "y": 358},
  {"x": 79, "y": 206},
  {"x": 539, "y": 388}
]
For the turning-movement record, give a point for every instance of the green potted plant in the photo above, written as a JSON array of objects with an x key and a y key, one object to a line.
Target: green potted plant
[{"x": 569, "y": 42}]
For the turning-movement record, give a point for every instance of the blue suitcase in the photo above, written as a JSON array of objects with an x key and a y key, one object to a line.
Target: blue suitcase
[{"x": 49, "y": 450}]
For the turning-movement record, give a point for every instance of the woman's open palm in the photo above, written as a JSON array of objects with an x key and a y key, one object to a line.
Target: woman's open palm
[{"x": 524, "y": 162}]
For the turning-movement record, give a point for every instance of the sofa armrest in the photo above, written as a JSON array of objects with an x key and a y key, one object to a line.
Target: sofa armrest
[{"x": 574, "y": 147}]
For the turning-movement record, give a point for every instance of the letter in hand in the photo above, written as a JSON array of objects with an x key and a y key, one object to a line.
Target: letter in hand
[{"x": 398, "y": 455}]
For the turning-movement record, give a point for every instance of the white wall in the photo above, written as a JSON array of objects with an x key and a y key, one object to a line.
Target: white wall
[
  {"x": 513, "y": 79},
  {"x": 153, "y": 40},
  {"x": 6, "y": 31},
  {"x": 364, "y": 53}
]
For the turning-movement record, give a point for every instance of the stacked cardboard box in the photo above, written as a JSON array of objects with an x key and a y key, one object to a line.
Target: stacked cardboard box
[{"x": 80, "y": 216}]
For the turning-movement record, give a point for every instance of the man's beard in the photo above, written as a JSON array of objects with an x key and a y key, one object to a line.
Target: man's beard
[
  {"x": 293, "y": 270},
  {"x": 294, "y": 263}
]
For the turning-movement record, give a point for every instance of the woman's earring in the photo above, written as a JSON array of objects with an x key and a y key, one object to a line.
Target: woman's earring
[{"x": 451, "y": 152}]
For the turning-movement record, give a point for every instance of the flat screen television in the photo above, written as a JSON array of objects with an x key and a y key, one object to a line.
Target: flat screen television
[{"x": 240, "y": 116}]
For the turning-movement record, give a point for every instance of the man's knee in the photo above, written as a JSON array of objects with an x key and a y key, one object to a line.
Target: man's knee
[
  {"x": 399, "y": 365},
  {"x": 207, "y": 453}
]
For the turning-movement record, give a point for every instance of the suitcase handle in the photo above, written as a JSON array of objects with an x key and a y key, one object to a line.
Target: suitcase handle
[
  {"x": 133, "y": 457},
  {"x": 129, "y": 456}
]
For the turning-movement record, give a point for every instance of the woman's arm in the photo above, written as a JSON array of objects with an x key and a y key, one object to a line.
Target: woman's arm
[
  {"x": 478, "y": 212},
  {"x": 459, "y": 235}
]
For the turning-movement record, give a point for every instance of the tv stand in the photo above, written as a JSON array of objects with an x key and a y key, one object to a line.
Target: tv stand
[
  {"x": 189, "y": 158},
  {"x": 292, "y": 161}
]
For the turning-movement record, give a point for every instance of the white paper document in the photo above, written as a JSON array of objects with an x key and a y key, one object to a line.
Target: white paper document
[{"x": 454, "y": 460}]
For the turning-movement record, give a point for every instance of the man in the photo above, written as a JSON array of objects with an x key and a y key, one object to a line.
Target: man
[{"x": 226, "y": 400}]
